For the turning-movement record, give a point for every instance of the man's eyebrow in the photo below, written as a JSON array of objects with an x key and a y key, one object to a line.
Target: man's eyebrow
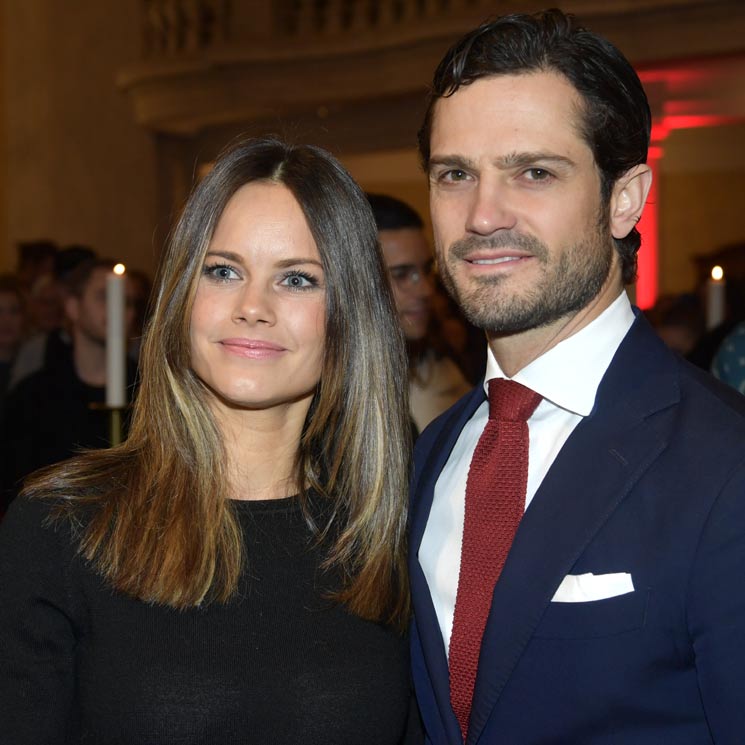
[
  {"x": 451, "y": 161},
  {"x": 513, "y": 160},
  {"x": 504, "y": 162}
]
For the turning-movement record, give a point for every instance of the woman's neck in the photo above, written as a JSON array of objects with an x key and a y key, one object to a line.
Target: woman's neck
[{"x": 262, "y": 448}]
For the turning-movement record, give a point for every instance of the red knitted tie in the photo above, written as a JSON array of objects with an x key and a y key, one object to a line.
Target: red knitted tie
[{"x": 495, "y": 502}]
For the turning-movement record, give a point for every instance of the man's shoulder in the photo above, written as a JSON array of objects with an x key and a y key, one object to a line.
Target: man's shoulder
[
  {"x": 703, "y": 393},
  {"x": 704, "y": 415}
]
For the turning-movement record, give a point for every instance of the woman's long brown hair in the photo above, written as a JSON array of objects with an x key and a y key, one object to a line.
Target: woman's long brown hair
[{"x": 153, "y": 513}]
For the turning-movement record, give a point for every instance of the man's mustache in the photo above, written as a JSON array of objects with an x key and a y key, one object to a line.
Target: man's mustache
[{"x": 507, "y": 239}]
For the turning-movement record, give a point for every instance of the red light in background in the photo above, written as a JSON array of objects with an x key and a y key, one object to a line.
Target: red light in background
[{"x": 647, "y": 283}]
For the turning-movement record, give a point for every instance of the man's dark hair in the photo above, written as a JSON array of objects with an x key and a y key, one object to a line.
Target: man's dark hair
[
  {"x": 9, "y": 285},
  {"x": 69, "y": 257},
  {"x": 34, "y": 252},
  {"x": 393, "y": 214},
  {"x": 615, "y": 119},
  {"x": 75, "y": 282}
]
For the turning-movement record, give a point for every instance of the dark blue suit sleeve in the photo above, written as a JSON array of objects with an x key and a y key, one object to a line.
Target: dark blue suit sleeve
[{"x": 716, "y": 613}]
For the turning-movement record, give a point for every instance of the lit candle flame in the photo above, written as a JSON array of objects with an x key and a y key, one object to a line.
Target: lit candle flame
[
  {"x": 119, "y": 269},
  {"x": 717, "y": 273}
]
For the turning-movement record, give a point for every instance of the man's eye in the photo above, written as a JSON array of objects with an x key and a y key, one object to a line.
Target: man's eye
[
  {"x": 399, "y": 273},
  {"x": 456, "y": 174},
  {"x": 537, "y": 174}
]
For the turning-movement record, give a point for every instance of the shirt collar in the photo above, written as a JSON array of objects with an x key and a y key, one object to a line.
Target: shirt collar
[{"x": 569, "y": 373}]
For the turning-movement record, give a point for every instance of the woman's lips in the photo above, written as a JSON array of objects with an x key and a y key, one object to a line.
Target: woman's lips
[{"x": 252, "y": 348}]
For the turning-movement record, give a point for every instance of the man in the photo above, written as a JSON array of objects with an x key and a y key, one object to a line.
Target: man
[
  {"x": 435, "y": 382},
  {"x": 48, "y": 345},
  {"x": 613, "y": 609},
  {"x": 11, "y": 327},
  {"x": 53, "y": 412}
]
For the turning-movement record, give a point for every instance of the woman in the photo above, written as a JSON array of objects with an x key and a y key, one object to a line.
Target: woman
[{"x": 233, "y": 573}]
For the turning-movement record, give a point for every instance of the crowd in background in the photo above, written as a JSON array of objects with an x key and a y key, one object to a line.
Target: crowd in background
[
  {"x": 720, "y": 348},
  {"x": 53, "y": 355}
]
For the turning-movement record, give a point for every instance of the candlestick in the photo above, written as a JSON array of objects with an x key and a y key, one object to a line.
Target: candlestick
[
  {"x": 116, "y": 352},
  {"x": 716, "y": 301}
]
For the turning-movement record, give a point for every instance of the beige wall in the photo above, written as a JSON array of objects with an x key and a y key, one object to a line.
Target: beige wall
[
  {"x": 394, "y": 172},
  {"x": 702, "y": 199},
  {"x": 76, "y": 167}
]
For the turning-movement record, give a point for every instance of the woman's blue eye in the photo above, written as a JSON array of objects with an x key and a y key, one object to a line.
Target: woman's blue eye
[
  {"x": 221, "y": 272},
  {"x": 299, "y": 280}
]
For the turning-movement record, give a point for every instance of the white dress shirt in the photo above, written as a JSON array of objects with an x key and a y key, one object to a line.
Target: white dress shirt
[{"x": 567, "y": 376}]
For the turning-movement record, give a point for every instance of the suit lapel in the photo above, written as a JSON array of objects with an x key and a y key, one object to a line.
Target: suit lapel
[
  {"x": 428, "y": 630},
  {"x": 597, "y": 467}
]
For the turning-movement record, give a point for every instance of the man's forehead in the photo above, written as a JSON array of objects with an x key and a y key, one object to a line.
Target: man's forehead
[{"x": 525, "y": 110}]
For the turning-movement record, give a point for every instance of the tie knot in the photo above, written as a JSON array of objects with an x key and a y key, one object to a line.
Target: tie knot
[{"x": 511, "y": 401}]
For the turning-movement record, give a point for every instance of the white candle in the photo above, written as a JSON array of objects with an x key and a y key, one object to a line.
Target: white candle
[
  {"x": 716, "y": 301},
  {"x": 116, "y": 342}
]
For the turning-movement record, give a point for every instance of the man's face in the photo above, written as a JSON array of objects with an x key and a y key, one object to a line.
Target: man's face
[
  {"x": 88, "y": 312},
  {"x": 521, "y": 236},
  {"x": 11, "y": 320},
  {"x": 409, "y": 261}
]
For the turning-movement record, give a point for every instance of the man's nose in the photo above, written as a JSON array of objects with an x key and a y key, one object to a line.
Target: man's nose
[{"x": 489, "y": 209}]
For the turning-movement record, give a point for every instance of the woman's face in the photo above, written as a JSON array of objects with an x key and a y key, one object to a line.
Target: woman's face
[{"x": 258, "y": 320}]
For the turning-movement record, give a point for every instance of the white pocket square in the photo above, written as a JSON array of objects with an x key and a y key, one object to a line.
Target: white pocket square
[{"x": 584, "y": 588}]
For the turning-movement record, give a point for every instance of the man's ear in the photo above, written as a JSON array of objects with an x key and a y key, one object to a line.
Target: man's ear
[
  {"x": 628, "y": 199},
  {"x": 72, "y": 308}
]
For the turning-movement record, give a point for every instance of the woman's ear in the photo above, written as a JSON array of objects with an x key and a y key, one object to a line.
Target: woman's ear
[{"x": 628, "y": 199}]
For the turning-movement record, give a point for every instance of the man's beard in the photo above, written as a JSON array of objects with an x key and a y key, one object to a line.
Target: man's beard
[
  {"x": 92, "y": 335},
  {"x": 566, "y": 286}
]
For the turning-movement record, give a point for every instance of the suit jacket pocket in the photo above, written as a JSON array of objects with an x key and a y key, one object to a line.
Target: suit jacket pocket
[{"x": 594, "y": 619}]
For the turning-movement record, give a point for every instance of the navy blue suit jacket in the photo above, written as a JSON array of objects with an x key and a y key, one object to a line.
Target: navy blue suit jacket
[{"x": 651, "y": 483}]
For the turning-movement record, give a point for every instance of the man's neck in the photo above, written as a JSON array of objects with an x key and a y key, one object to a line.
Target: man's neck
[
  {"x": 513, "y": 352},
  {"x": 90, "y": 359}
]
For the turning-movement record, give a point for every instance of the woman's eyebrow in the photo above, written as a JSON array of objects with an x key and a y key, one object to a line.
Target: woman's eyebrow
[{"x": 298, "y": 260}]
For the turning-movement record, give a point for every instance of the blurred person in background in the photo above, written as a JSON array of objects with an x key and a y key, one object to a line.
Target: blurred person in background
[
  {"x": 51, "y": 344},
  {"x": 729, "y": 361},
  {"x": 54, "y": 412},
  {"x": 679, "y": 321},
  {"x": 11, "y": 328},
  {"x": 34, "y": 259},
  {"x": 435, "y": 382},
  {"x": 44, "y": 305}
]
